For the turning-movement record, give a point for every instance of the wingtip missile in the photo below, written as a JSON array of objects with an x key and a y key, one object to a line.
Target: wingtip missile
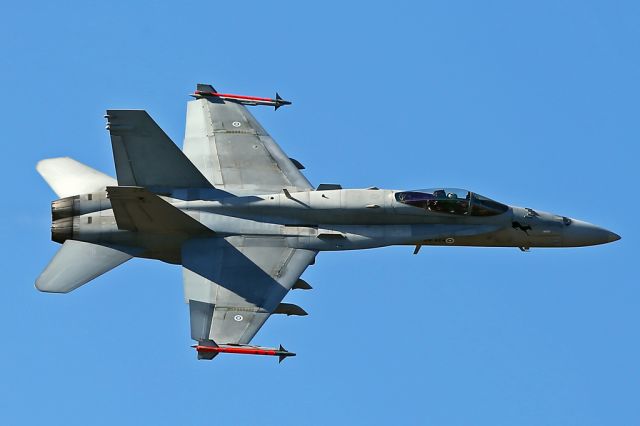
[
  {"x": 207, "y": 91},
  {"x": 208, "y": 351}
]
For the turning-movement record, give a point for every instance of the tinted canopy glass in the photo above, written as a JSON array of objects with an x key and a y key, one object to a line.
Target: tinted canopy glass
[{"x": 451, "y": 201}]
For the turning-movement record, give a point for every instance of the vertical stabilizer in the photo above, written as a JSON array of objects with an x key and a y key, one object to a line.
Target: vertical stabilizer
[{"x": 145, "y": 156}]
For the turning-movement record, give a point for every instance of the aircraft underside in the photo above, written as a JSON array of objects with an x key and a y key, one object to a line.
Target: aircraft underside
[{"x": 244, "y": 223}]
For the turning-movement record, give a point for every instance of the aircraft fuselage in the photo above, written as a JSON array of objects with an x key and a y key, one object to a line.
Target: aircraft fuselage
[{"x": 331, "y": 220}]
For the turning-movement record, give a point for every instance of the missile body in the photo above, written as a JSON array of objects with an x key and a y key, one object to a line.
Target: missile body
[
  {"x": 210, "y": 351},
  {"x": 276, "y": 102}
]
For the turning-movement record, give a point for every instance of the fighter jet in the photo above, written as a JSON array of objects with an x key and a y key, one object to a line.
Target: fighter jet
[{"x": 244, "y": 223}]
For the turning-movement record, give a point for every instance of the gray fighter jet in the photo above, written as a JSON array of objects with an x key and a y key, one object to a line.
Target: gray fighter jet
[{"x": 239, "y": 216}]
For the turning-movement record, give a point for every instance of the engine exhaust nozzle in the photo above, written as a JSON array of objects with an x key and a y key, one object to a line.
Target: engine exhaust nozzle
[
  {"x": 64, "y": 207},
  {"x": 62, "y": 229}
]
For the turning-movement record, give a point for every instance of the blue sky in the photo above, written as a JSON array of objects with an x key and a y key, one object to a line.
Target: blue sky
[{"x": 531, "y": 103}]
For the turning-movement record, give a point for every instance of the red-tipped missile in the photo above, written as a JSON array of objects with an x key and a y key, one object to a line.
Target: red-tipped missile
[
  {"x": 281, "y": 352},
  {"x": 207, "y": 91}
]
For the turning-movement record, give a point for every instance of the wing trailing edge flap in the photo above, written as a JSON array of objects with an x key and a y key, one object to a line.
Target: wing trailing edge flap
[
  {"x": 77, "y": 263},
  {"x": 137, "y": 209},
  {"x": 145, "y": 156}
]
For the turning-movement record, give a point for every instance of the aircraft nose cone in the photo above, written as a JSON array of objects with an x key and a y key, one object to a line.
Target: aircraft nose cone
[
  {"x": 580, "y": 233},
  {"x": 613, "y": 237}
]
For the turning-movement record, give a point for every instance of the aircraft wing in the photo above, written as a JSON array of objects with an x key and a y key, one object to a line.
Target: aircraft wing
[
  {"x": 234, "y": 152},
  {"x": 233, "y": 284}
]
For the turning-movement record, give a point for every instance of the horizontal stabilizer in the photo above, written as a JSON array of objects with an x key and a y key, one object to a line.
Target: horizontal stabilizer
[
  {"x": 290, "y": 309},
  {"x": 68, "y": 177},
  {"x": 137, "y": 209},
  {"x": 77, "y": 263},
  {"x": 145, "y": 156}
]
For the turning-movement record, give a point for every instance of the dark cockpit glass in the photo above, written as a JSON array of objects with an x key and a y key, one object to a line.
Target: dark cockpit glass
[{"x": 451, "y": 201}]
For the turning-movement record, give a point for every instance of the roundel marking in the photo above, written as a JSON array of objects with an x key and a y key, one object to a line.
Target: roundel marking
[
  {"x": 236, "y": 124},
  {"x": 449, "y": 240},
  {"x": 238, "y": 318}
]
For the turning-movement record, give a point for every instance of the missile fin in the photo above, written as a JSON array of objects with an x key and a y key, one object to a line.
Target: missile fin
[
  {"x": 283, "y": 353},
  {"x": 205, "y": 88},
  {"x": 280, "y": 102}
]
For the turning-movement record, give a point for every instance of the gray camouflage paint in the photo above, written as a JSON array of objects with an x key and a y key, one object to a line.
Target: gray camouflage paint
[{"x": 243, "y": 221}]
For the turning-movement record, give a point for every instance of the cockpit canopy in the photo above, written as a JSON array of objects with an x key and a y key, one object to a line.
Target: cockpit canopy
[{"x": 451, "y": 201}]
